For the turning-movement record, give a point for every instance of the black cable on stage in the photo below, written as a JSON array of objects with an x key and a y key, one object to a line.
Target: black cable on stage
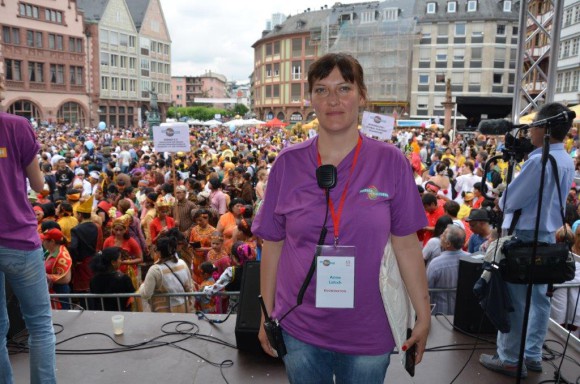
[
  {"x": 202, "y": 316},
  {"x": 191, "y": 332}
]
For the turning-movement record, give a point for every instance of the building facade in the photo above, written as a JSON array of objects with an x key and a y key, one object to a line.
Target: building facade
[
  {"x": 210, "y": 85},
  {"x": 379, "y": 34},
  {"x": 130, "y": 57},
  {"x": 473, "y": 44},
  {"x": 43, "y": 61},
  {"x": 82, "y": 62},
  {"x": 568, "y": 77}
]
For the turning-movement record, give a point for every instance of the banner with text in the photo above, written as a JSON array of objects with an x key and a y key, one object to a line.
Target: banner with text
[
  {"x": 379, "y": 126},
  {"x": 171, "y": 137}
]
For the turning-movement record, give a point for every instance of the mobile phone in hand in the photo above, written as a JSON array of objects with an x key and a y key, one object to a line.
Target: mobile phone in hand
[
  {"x": 196, "y": 244},
  {"x": 410, "y": 356}
]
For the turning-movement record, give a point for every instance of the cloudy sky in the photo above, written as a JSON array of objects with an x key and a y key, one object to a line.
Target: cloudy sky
[{"x": 218, "y": 35}]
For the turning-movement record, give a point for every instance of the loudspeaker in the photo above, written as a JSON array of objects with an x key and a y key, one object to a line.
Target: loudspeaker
[
  {"x": 17, "y": 324},
  {"x": 249, "y": 311},
  {"x": 468, "y": 312}
]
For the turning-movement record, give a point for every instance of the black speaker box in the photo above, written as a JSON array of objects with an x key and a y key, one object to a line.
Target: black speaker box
[
  {"x": 468, "y": 312},
  {"x": 17, "y": 324},
  {"x": 249, "y": 311}
]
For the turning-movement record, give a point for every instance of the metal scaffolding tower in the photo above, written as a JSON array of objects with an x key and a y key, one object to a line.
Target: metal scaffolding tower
[{"x": 539, "y": 43}]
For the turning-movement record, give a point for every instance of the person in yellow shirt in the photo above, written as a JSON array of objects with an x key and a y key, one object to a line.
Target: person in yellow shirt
[
  {"x": 66, "y": 220},
  {"x": 450, "y": 156},
  {"x": 465, "y": 208}
]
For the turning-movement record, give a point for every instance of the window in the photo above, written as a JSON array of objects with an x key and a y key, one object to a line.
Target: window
[
  {"x": 475, "y": 78},
  {"x": 53, "y": 16},
  {"x": 145, "y": 45},
  {"x": 114, "y": 83},
  {"x": 268, "y": 49},
  {"x": 123, "y": 40},
  {"x": 105, "y": 58},
  {"x": 424, "y": 54},
  {"x": 568, "y": 16},
  {"x": 113, "y": 38},
  {"x": 132, "y": 85},
  {"x": 423, "y": 78},
  {"x": 104, "y": 36},
  {"x": 268, "y": 70},
  {"x": 460, "y": 29},
  {"x": 296, "y": 92},
  {"x": 296, "y": 70},
  {"x": 458, "y": 54},
  {"x": 500, "y": 31},
  {"x": 431, "y": 8},
  {"x": 114, "y": 60},
  {"x": 507, "y": 6},
  {"x": 51, "y": 41},
  {"x": 422, "y": 102},
  {"x": 35, "y": 72},
  {"x": 276, "y": 90},
  {"x": 441, "y": 55},
  {"x": 132, "y": 63},
  {"x": 574, "y": 48},
  {"x": 57, "y": 74},
  {"x": 472, "y": 6},
  {"x": 28, "y": 10},
  {"x": 76, "y": 75},
  {"x": 498, "y": 78},
  {"x": 276, "y": 48},
  {"x": 145, "y": 64},
  {"x": 440, "y": 78},
  {"x": 30, "y": 38},
  {"x": 124, "y": 85},
  {"x": 296, "y": 47},
  {"x": 123, "y": 61},
  {"x": 13, "y": 69},
  {"x": 475, "y": 53},
  {"x": 565, "y": 49},
  {"x": 59, "y": 42},
  {"x": 442, "y": 30},
  {"x": 104, "y": 83},
  {"x": 451, "y": 7},
  {"x": 567, "y": 76},
  {"x": 276, "y": 69},
  {"x": 11, "y": 35},
  {"x": 515, "y": 31},
  {"x": 559, "y": 82},
  {"x": 132, "y": 41}
]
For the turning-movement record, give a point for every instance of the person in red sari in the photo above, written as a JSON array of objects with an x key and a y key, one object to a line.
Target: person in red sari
[
  {"x": 162, "y": 222},
  {"x": 131, "y": 253},
  {"x": 57, "y": 263}
]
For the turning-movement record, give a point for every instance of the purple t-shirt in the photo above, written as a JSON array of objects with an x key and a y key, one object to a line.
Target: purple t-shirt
[
  {"x": 18, "y": 147},
  {"x": 382, "y": 198}
]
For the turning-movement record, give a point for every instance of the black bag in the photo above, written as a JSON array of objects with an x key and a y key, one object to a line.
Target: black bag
[{"x": 553, "y": 264}]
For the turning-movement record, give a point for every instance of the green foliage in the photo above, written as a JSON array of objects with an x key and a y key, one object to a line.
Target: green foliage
[
  {"x": 199, "y": 113},
  {"x": 239, "y": 109}
]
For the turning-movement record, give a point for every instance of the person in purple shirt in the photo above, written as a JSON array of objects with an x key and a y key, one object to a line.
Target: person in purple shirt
[
  {"x": 327, "y": 336},
  {"x": 21, "y": 256}
]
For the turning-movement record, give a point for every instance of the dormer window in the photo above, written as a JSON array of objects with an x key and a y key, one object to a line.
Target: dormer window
[
  {"x": 507, "y": 6},
  {"x": 431, "y": 8},
  {"x": 472, "y": 6},
  {"x": 452, "y": 7}
]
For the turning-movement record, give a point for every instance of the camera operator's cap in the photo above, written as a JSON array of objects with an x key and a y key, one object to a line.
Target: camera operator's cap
[
  {"x": 478, "y": 215},
  {"x": 499, "y": 189},
  {"x": 79, "y": 172},
  {"x": 95, "y": 175}
]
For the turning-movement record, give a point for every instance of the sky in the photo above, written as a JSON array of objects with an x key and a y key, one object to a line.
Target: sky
[{"x": 218, "y": 35}]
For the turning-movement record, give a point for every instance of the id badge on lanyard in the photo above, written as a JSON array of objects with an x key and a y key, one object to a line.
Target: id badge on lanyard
[{"x": 335, "y": 276}]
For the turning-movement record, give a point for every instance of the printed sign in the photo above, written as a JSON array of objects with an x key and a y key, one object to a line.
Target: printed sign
[
  {"x": 375, "y": 125},
  {"x": 171, "y": 137}
]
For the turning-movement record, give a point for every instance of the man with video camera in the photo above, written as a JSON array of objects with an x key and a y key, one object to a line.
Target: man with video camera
[{"x": 522, "y": 194}]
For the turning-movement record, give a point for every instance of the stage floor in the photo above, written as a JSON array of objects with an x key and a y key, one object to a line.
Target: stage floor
[{"x": 188, "y": 361}]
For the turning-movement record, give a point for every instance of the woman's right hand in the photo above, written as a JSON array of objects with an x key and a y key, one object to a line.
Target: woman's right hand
[{"x": 264, "y": 340}]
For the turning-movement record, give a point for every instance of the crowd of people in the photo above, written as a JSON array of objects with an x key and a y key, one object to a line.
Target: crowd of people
[{"x": 115, "y": 216}]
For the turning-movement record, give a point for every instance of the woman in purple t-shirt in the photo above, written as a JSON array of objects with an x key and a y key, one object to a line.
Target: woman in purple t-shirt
[
  {"x": 341, "y": 328},
  {"x": 21, "y": 256}
]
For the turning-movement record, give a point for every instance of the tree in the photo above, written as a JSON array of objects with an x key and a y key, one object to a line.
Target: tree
[{"x": 240, "y": 109}]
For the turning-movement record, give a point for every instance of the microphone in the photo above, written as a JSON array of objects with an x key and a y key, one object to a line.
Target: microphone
[
  {"x": 561, "y": 117},
  {"x": 326, "y": 176},
  {"x": 497, "y": 127}
]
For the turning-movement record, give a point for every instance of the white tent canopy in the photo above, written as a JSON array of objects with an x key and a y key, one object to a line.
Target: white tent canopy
[{"x": 212, "y": 122}]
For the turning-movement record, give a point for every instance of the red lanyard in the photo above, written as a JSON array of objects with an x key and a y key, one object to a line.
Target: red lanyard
[{"x": 336, "y": 216}]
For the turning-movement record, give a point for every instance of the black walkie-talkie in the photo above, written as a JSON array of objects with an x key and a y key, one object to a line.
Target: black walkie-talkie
[{"x": 273, "y": 331}]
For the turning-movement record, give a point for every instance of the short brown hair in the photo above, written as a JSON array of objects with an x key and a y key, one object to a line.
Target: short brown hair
[{"x": 349, "y": 68}]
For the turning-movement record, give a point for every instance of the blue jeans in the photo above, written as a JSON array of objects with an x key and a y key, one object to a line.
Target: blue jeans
[
  {"x": 24, "y": 270},
  {"x": 307, "y": 364},
  {"x": 508, "y": 344},
  {"x": 62, "y": 289}
]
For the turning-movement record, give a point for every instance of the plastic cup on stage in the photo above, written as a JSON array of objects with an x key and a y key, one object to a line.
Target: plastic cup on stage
[{"x": 118, "y": 324}]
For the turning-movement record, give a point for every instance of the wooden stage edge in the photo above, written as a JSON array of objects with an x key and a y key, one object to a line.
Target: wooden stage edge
[{"x": 152, "y": 359}]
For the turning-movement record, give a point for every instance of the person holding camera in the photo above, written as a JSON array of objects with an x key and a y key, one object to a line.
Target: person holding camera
[
  {"x": 522, "y": 194},
  {"x": 341, "y": 329}
]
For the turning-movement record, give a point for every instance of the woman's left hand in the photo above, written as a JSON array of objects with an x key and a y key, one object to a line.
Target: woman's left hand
[{"x": 418, "y": 337}]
